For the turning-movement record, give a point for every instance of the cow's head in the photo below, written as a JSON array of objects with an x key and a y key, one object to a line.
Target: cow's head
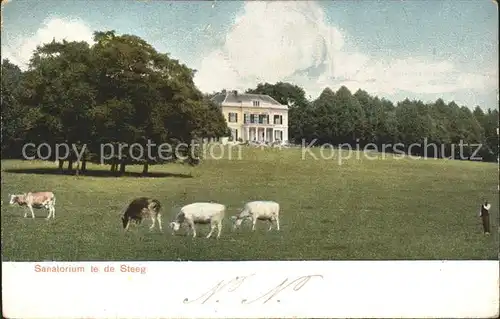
[
  {"x": 13, "y": 199},
  {"x": 175, "y": 226},
  {"x": 237, "y": 221},
  {"x": 125, "y": 221}
]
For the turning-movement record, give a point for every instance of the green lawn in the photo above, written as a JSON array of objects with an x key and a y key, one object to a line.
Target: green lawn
[{"x": 363, "y": 209}]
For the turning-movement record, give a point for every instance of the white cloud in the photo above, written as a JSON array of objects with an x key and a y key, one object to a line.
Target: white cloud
[
  {"x": 20, "y": 51},
  {"x": 292, "y": 41},
  {"x": 268, "y": 42},
  {"x": 416, "y": 76}
]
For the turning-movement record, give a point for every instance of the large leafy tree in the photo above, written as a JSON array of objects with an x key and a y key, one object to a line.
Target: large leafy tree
[
  {"x": 17, "y": 119},
  {"x": 58, "y": 87},
  {"x": 119, "y": 91},
  {"x": 160, "y": 102}
]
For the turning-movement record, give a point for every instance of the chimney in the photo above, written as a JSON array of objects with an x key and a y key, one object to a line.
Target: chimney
[{"x": 235, "y": 92}]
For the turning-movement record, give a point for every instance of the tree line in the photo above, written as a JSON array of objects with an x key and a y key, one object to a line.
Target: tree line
[
  {"x": 342, "y": 117},
  {"x": 120, "y": 90}
]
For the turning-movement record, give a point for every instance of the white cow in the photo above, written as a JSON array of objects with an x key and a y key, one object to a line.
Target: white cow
[
  {"x": 30, "y": 200},
  {"x": 259, "y": 210},
  {"x": 200, "y": 213}
]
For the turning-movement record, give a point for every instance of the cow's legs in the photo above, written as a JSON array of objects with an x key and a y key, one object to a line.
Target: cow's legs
[
  {"x": 212, "y": 227},
  {"x": 153, "y": 218},
  {"x": 219, "y": 229},
  {"x": 158, "y": 217},
  {"x": 32, "y": 213},
  {"x": 49, "y": 208},
  {"x": 191, "y": 225}
]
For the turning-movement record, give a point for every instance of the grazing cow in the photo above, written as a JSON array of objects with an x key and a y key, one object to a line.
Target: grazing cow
[
  {"x": 140, "y": 208},
  {"x": 200, "y": 213},
  {"x": 258, "y": 210},
  {"x": 37, "y": 200}
]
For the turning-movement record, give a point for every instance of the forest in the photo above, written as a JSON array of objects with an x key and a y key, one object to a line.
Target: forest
[{"x": 360, "y": 118}]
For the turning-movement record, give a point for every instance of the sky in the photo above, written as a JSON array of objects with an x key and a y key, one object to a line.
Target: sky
[{"x": 394, "y": 49}]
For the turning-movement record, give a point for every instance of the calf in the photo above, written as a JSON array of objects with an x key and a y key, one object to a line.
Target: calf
[
  {"x": 258, "y": 210},
  {"x": 37, "y": 200},
  {"x": 200, "y": 213},
  {"x": 140, "y": 208}
]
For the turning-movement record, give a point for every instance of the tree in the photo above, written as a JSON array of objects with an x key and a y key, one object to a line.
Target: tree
[
  {"x": 469, "y": 131},
  {"x": 372, "y": 115},
  {"x": 160, "y": 101},
  {"x": 326, "y": 126},
  {"x": 58, "y": 87},
  {"x": 16, "y": 118},
  {"x": 118, "y": 92},
  {"x": 349, "y": 115},
  {"x": 489, "y": 124}
]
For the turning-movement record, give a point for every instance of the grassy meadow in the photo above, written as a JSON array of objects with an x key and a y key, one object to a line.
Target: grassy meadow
[{"x": 363, "y": 209}]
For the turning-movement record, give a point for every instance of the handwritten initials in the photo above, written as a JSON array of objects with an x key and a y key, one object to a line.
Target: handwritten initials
[
  {"x": 299, "y": 283},
  {"x": 209, "y": 294},
  {"x": 235, "y": 283}
]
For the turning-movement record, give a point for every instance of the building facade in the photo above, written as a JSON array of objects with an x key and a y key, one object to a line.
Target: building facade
[{"x": 254, "y": 117}]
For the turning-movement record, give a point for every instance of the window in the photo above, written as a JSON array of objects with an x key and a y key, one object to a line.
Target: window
[
  {"x": 263, "y": 119},
  {"x": 233, "y": 117},
  {"x": 254, "y": 118},
  {"x": 256, "y": 103},
  {"x": 278, "y": 119},
  {"x": 246, "y": 118}
]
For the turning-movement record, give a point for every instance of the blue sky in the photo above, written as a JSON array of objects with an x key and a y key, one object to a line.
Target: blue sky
[{"x": 394, "y": 49}]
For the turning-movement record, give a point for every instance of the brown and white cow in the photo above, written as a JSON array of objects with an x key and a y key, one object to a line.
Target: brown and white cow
[{"x": 37, "y": 200}]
